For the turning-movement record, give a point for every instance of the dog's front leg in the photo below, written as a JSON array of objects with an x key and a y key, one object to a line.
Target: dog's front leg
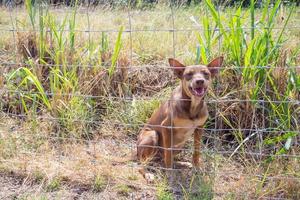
[
  {"x": 166, "y": 137},
  {"x": 197, "y": 140}
]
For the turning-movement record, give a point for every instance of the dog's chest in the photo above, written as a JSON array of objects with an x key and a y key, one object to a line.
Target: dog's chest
[{"x": 183, "y": 130}]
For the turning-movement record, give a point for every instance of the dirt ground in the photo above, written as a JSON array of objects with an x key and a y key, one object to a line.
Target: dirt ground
[
  {"x": 16, "y": 187},
  {"x": 31, "y": 173}
]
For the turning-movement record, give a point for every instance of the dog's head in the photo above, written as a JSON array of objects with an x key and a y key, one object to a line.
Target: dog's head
[{"x": 196, "y": 78}]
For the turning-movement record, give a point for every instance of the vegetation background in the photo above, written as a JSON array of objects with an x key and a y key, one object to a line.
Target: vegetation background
[{"x": 79, "y": 79}]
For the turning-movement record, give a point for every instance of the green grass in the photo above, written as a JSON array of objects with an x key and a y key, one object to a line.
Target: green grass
[
  {"x": 99, "y": 184},
  {"x": 75, "y": 117},
  {"x": 53, "y": 184},
  {"x": 128, "y": 113},
  {"x": 199, "y": 188},
  {"x": 162, "y": 191},
  {"x": 38, "y": 176},
  {"x": 123, "y": 190}
]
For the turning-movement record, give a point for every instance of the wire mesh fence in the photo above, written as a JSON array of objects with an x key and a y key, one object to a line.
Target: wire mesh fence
[{"x": 79, "y": 83}]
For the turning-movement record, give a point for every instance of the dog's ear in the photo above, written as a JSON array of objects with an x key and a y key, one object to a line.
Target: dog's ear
[
  {"x": 214, "y": 65},
  {"x": 177, "y": 67}
]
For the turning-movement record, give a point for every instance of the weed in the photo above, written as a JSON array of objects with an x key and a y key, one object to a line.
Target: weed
[
  {"x": 162, "y": 192},
  {"x": 75, "y": 117},
  {"x": 8, "y": 147},
  {"x": 43, "y": 198},
  {"x": 116, "y": 53},
  {"x": 38, "y": 176},
  {"x": 30, "y": 80},
  {"x": 53, "y": 185},
  {"x": 123, "y": 189},
  {"x": 200, "y": 188},
  {"x": 132, "y": 177},
  {"x": 99, "y": 183},
  {"x": 129, "y": 113}
]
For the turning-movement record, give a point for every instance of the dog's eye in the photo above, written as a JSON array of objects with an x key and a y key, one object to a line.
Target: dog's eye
[
  {"x": 188, "y": 75},
  {"x": 206, "y": 75}
]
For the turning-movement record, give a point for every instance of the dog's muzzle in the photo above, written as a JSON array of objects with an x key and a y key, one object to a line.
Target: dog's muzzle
[{"x": 198, "y": 87}]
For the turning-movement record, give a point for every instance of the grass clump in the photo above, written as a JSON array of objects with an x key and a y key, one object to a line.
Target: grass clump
[
  {"x": 38, "y": 176},
  {"x": 257, "y": 56},
  {"x": 199, "y": 188},
  {"x": 53, "y": 185},
  {"x": 75, "y": 117},
  {"x": 162, "y": 192},
  {"x": 99, "y": 184},
  {"x": 132, "y": 177},
  {"x": 8, "y": 147},
  {"x": 51, "y": 82},
  {"x": 123, "y": 189},
  {"x": 136, "y": 112},
  {"x": 130, "y": 113}
]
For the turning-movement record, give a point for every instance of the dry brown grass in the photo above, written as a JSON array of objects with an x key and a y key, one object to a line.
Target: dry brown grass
[{"x": 40, "y": 159}]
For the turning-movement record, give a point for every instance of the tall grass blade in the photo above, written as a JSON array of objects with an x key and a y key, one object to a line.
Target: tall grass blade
[
  {"x": 72, "y": 23},
  {"x": 31, "y": 10},
  {"x": 203, "y": 54},
  {"x": 29, "y": 76},
  {"x": 116, "y": 53},
  {"x": 252, "y": 19}
]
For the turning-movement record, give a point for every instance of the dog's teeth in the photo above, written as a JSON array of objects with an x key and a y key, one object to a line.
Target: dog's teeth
[{"x": 199, "y": 91}]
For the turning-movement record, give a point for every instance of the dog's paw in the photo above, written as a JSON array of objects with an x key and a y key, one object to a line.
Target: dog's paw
[
  {"x": 184, "y": 164},
  {"x": 149, "y": 177}
]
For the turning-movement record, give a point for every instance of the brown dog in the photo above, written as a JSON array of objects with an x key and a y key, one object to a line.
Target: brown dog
[{"x": 182, "y": 115}]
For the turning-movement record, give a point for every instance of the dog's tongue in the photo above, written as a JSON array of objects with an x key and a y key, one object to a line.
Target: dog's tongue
[{"x": 199, "y": 91}]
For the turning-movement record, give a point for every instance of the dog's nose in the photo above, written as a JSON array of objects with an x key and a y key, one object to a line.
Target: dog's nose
[{"x": 199, "y": 81}]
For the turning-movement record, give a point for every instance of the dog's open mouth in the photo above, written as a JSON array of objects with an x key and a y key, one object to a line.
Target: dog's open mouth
[{"x": 200, "y": 91}]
